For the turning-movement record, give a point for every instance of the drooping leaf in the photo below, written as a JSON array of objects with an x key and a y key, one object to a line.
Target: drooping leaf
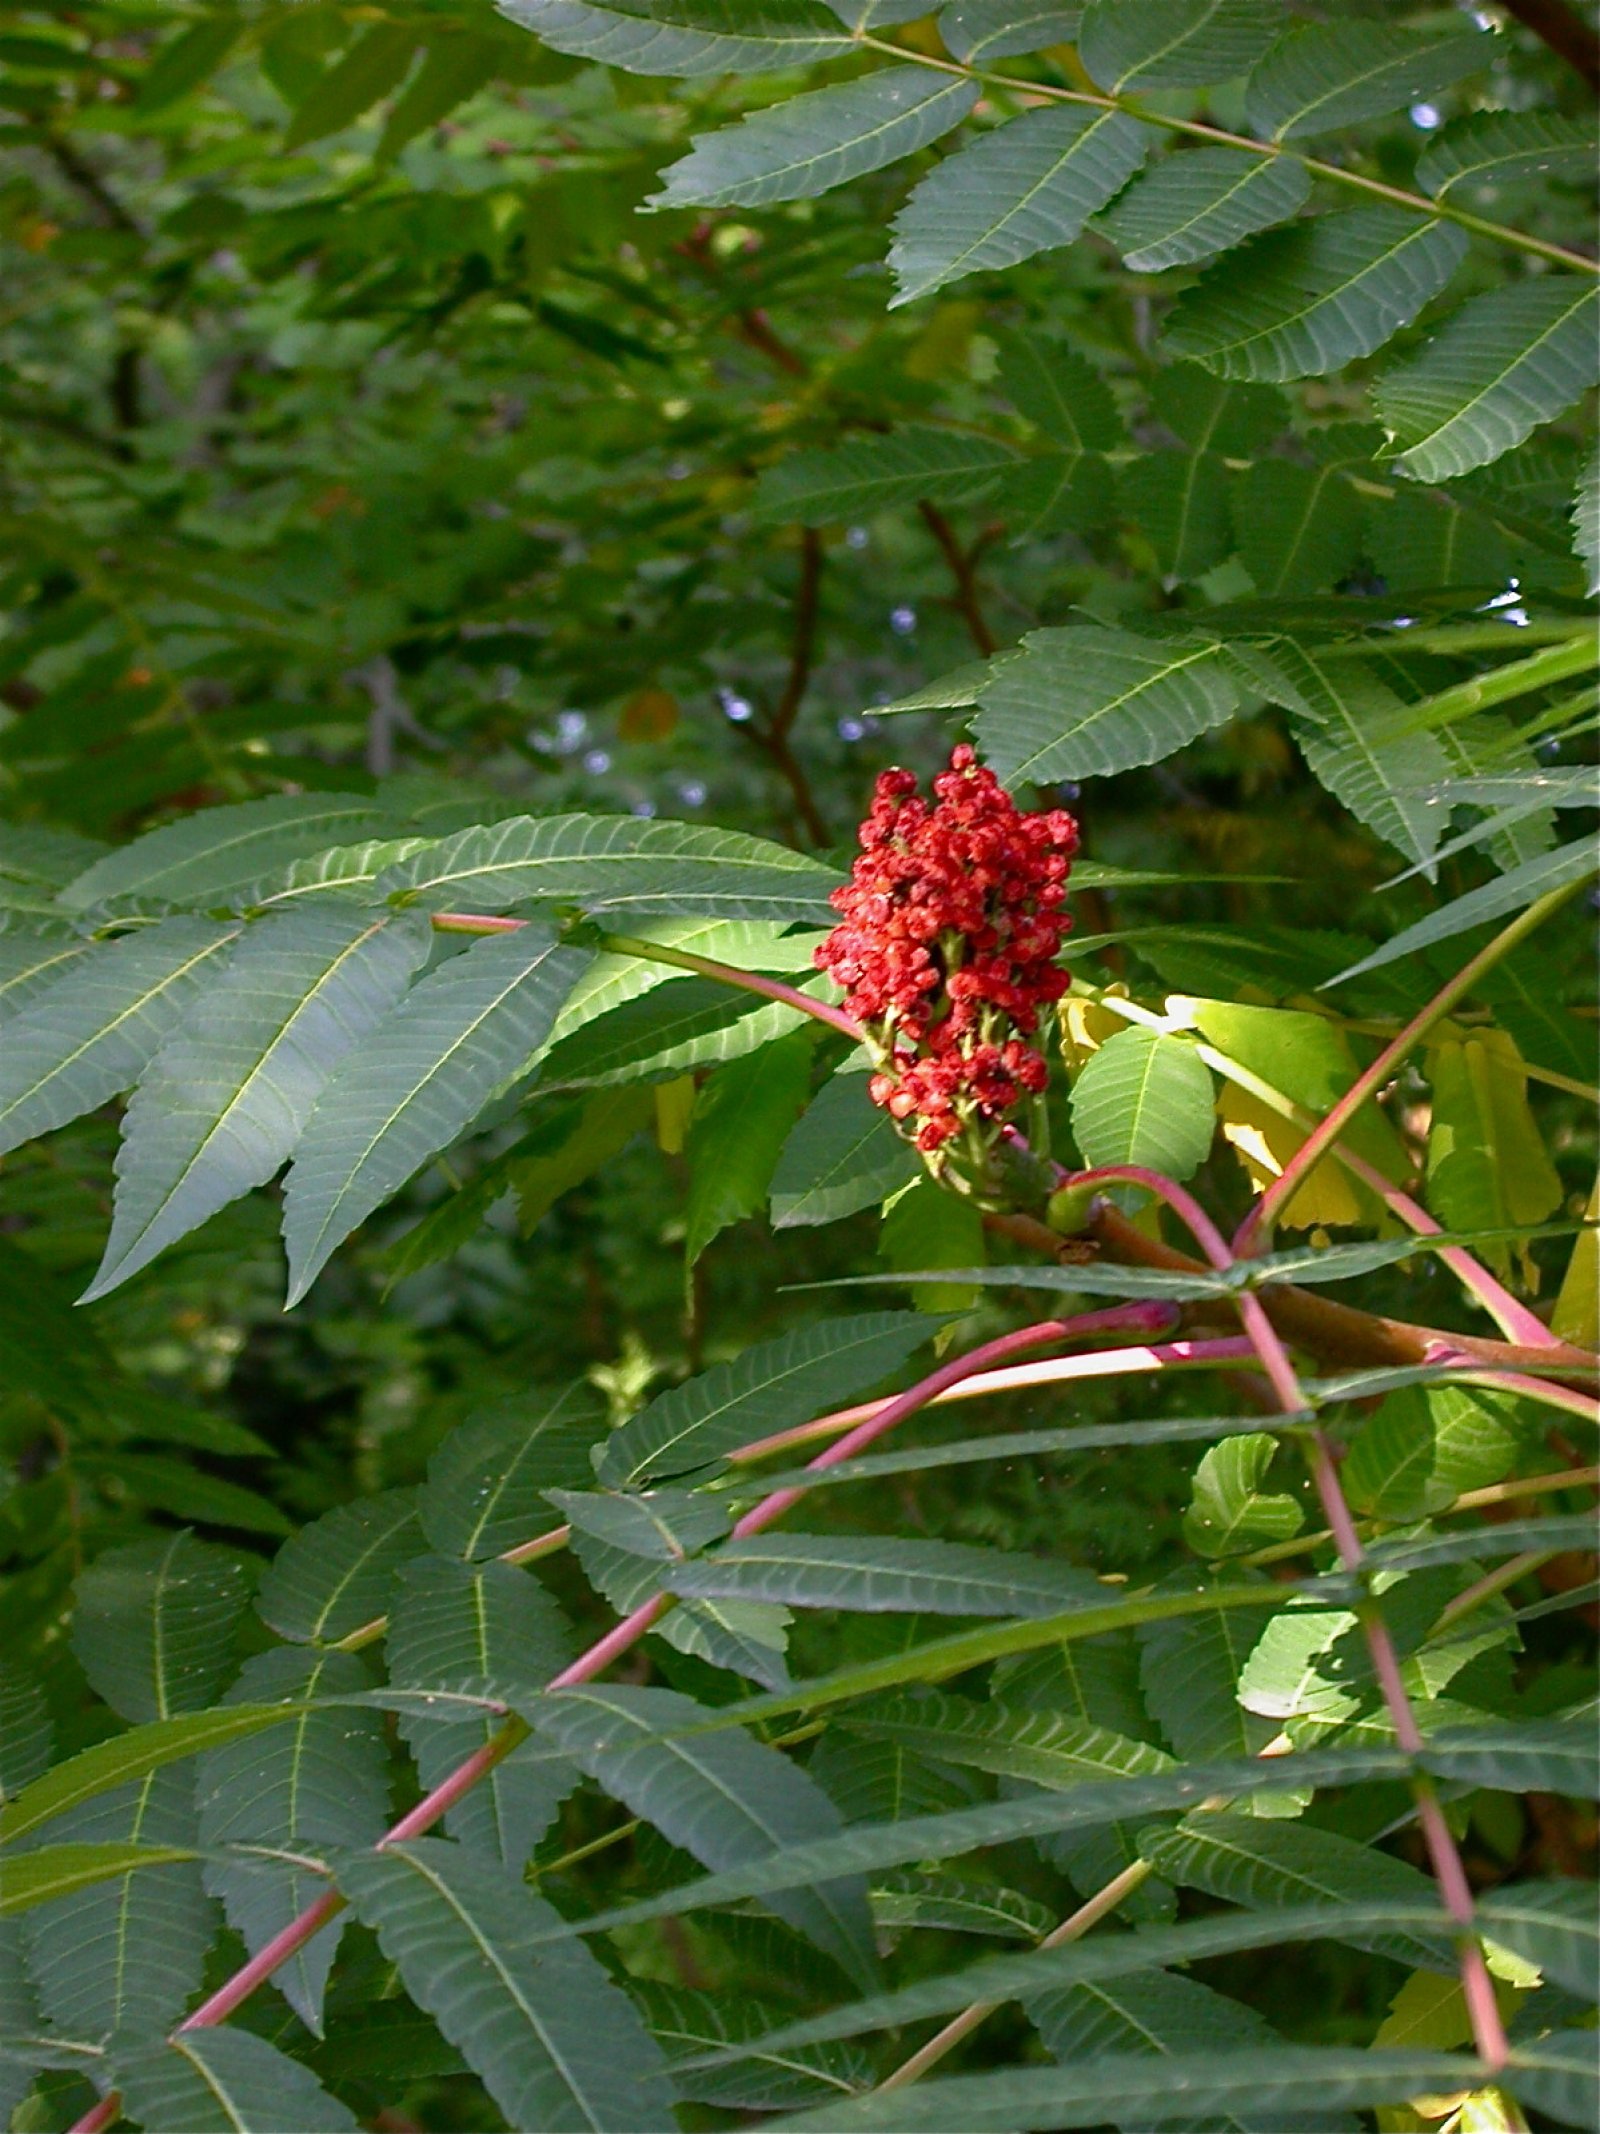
[
  {"x": 1026, "y": 187},
  {"x": 1298, "y": 302},
  {"x": 686, "y": 38},
  {"x": 421, "y": 1078},
  {"x": 842, "y": 1156},
  {"x": 742, "y": 1118},
  {"x": 93, "y": 1031},
  {"x": 1367, "y": 751},
  {"x": 925, "y": 1227},
  {"x": 204, "y": 856},
  {"x": 220, "y": 1107},
  {"x": 483, "y": 1628},
  {"x": 1229, "y": 1513},
  {"x": 725, "y": 1797},
  {"x": 1129, "y": 46},
  {"x": 1189, "y": 1674},
  {"x": 768, "y": 1388},
  {"x": 1044, "y": 1748},
  {"x": 1586, "y": 520},
  {"x": 1192, "y": 206},
  {"x": 557, "y": 2044},
  {"x": 154, "y": 1624},
  {"x": 1086, "y": 703},
  {"x": 1145, "y": 1098},
  {"x": 1317, "y": 77},
  {"x": 201, "y": 2080},
  {"x": 1504, "y": 147},
  {"x": 882, "y": 1573},
  {"x": 34, "y": 951},
  {"x": 794, "y": 150},
  {"x": 1508, "y": 360},
  {"x": 911, "y": 464},
  {"x": 1216, "y": 415},
  {"x": 320, "y": 1779},
  {"x": 1420, "y": 540},
  {"x": 337, "y": 1574},
  {"x": 485, "y": 1491},
  {"x": 615, "y": 864}
]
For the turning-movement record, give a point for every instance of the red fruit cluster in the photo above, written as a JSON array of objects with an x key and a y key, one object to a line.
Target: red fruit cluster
[{"x": 946, "y": 946}]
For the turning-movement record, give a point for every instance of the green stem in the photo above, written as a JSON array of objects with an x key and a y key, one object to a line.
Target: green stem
[
  {"x": 1352, "y": 181},
  {"x": 1555, "y": 663},
  {"x": 745, "y": 981}
]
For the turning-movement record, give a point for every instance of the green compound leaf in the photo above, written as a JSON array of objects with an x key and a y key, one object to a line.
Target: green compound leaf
[
  {"x": 155, "y": 1622},
  {"x": 320, "y": 1779},
  {"x": 1586, "y": 521},
  {"x": 808, "y": 145},
  {"x": 1494, "y": 148},
  {"x": 1192, "y": 206},
  {"x": 617, "y": 864},
  {"x": 1318, "y": 77},
  {"x": 1019, "y": 189},
  {"x": 726, "y": 1798},
  {"x": 1300, "y": 528},
  {"x": 1511, "y": 892},
  {"x": 1145, "y": 1098},
  {"x": 1505, "y": 362},
  {"x": 203, "y": 2081},
  {"x": 418, "y": 1081},
  {"x": 741, "y": 1120},
  {"x": 883, "y": 1574},
  {"x": 978, "y": 31},
  {"x": 844, "y": 1155},
  {"x": 557, "y": 2044},
  {"x": 62, "y": 1870},
  {"x": 1040, "y": 1748},
  {"x": 915, "y": 463},
  {"x": 770, "y": 1387},
  {"x": 686, "y": 38},
  {"x": 222, "y": 1105},
  {"x": 1179, "y": 501},
  {"x": 1082, "y": 703},
  {"x": 690, "y": 2025},
  {"x": 206, "y": 855},
  {"x": 1132, "y": 45},
  {"x": 92, "y": 1032},
  {"x": 1059, "y": 391},
  {"x": 485, "y": 1491},
  {"x": 1365, "y": 751},
  {"x": 1298, "y": 302},
  {"x": 337, "y": 1574}
]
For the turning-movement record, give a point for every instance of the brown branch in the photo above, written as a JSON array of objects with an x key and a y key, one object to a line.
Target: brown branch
[
  {"x": 1336, "y": 1334},
  {"x": 961, "y": 562},
  {"x": 756, "y": 328},
  {"x": 1564, "y": 31},
  {"x": 79, "y": 172},
  {"x": 772, "y": 736}
]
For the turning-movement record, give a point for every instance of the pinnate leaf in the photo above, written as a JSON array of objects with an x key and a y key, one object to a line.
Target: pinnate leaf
[
  {"x": 1133, "y": 45},
  {"x": 419, "y": 1081},
  {"x": 912, "y": 464},
  {"x": 1318, "y": 77},
  {"x": 92, "y": 1032},
  {"x": 794, "y": 150},
  {"x": 337, "y": 1574},
  {"x": 1505, "y": 362},
  {"x": 1298, "y": 302},
  {"x": 557, "y": 2044},
  {"x": 204, "y": 856},
  {"x": 686, "y": 38},
  {"x": 485, "y": 1491},
  {"x": 1022, "y": 188},
  {"x": 883, "y": 1573},
  {"x": 741, "y": 1120},
  {"x": 1192, "y": 206},
  {"x": 768, "y": 1388},
  {"x": 842, "y": 1156},
  {"x": 200, "y": 2081},
  {"x": 1502, "y": 147},
  {"x": 222, "y": 1104},
  {"x": 154, "y": 1624},
  {"x": 724, "y": 1797}
]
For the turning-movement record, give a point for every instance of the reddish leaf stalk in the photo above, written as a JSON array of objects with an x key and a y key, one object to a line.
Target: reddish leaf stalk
[{"x": 433, "y": 1806}]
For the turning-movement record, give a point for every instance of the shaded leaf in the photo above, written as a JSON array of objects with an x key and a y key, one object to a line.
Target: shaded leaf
[
  {"x": 1300, "y": 528},
  {"x": 201, "y": 2080},
  {"x": 741, "y": 1120},
  {"x": 843, "y": 1155},
  {"x": 1144, "y": 1098},
  {"x": 486, "y": 1485},
  {"x": 1317, "y": 77},
  {"x": 1133, "y": 45},
  {"x": 205, "y": 855},
  {"x": 906, "y": 465},
  {"x": 1194, "y": 205},
  {"x": 686, "y": 37},
  {"x": 154, "y": 1624},
  {"x": 1503, "y": 147},
  {"x": 337, "y": 1574},
  {"x": 883, "y": 1572}
]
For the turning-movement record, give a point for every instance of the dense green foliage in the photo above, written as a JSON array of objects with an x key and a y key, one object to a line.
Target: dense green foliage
[{"x": 482, "y": 495}]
